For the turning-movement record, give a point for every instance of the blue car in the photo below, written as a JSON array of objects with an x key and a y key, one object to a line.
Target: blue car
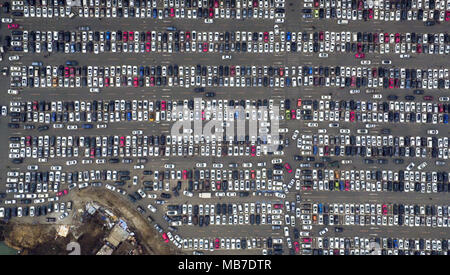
[
  {"x": 128, "y": 116},
  {"x": 288, "y": 82},
  {"x": 310, "y": 70},
  {"x": 445, "y": 118},
  {"x": 87, "y": 126},
  {"x": 341, "y": 185},
  {"x": 288, "y": 36},
  {"x": 155, "y": 13},
  {"x": 108, "y": 35},
  {"x": 315, "y": 150}
]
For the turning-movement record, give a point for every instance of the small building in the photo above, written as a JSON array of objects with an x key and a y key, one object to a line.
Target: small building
[
  {"x": 118, "y": 234},
  {"x": 63, "y": 230},
  {"x": 105, "y": 250}
]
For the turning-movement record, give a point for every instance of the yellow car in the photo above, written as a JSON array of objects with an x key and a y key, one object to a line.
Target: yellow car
[{"x": 316, "y": 13}]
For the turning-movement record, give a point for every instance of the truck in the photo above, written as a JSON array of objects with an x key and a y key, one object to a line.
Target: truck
[{"x": 204, "y": 195}]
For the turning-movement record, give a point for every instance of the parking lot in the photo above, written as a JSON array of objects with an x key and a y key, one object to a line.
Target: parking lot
[{"x": 361, "y": 109}]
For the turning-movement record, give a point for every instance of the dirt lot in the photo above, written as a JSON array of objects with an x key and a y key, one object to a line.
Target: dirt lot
[
  {"x": 145, "y": 233},
  {"x": 40, "y": 239}
]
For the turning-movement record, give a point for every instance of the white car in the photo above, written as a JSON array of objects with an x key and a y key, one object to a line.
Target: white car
[
  {"x": 323, "y": 231},
  {"x": 64, "y": 215},
  {"x": 71, "y": 162},
  {"x": 13, "y": 92},
  {"x": 14, "y": 58},
  {"x": 7, "y": 20},
  {"x": 432, "y": 132},
  {"x": 169, "y": 166},
  {"x": 72, "y": 127},
  {"x": 56, "y": 168},
  {"x": 226, "y": 57},
  {"x": 200, "y": 164},
  {"x": 94, "y": 90},
  {"x": 137, "y": 132}
]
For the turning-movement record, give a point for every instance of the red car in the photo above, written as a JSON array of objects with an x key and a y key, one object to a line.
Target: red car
[
  {"x": 166, "y": 239},
  {"x": 233, "y": 71},
  {"x": 216, "y": 3},
  {"x": 253, "y": 151},
  {"x": 13, "y": 26},
  {"x": 106, "y": 81},
  {"x": 217, "y": 243},
  {"x": 360, "y": 55},
  {"x": 447, "y": 16},
  {"x": 397, "y": 38},
  {"x": 293, "y": 115},
  {"x": 188, "y": 36},
  {"x": 297, "y": 247},
  {"x": 148, "y": 47},
  {"x": 205, "y": 47},
  {"x": 125, "y": 36},
  {"x": 255, "y": 3},
  {"x": 347, "y": 185},
  {"x": 172, "y": 12},
  {"x": 419, "y": 48},
  {"x": 281, "y": 71},
  {"x": 135, "y": 82},
  {"x": 321, "y": 36},
  {"x": 370, "y": 13},
  {"x": 62, "y": 193},
  {"x": 306, "y": 240},
  {"x": 163, "y": 105},
  {"x": 386, "y": 38},
  {"x": 66, "y": 72},
  {"x": 278, "y": 206},
  {"x": 391, "y": 83},
  {"x": 211, "y": 13},
  {"x": 152, "y": 81},
  {"x": 428, "y": 97},
  {"x": 266, "y": 37},
  {"x": 184, "y": 174},
  {"x": 384, "y": 207},
  {"x": 122, "y": 141},
  {"x": 288, "y": 168},
  {"x": 352, "y": 116},
  {"x": 131, "y": 36},
  {"x": 28, "y": 140},
  {"x": 299, "y": 102},
  {"x": 149, "y": 36}
]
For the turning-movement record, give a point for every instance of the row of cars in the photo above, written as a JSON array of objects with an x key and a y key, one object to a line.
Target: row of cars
[
  {"x": 152, "y": 41},
  {"x": 429, "y": 11},
  {"x": 225, "y": 76},
  {"x": 383, "y": 246},
  {"x": 192, "y": 10},
  {"x": 227, "y": 37},
  {"x": 323, "y": 48},
  {"x": 229, "y": 110},
  {"x": 374, "y": 146}
]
